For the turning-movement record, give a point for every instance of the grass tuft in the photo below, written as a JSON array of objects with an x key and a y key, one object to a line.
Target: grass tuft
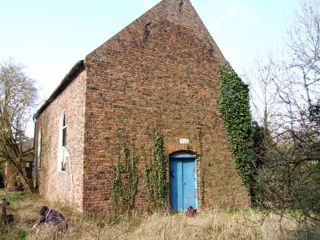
[{"x": 243, "y": 224}]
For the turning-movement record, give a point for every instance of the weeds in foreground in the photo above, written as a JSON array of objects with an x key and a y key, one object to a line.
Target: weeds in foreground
[{"x": 214, "y": 224}]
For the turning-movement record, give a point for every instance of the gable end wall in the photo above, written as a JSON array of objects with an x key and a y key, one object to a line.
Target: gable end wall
[{"x": 166, "y": 82}]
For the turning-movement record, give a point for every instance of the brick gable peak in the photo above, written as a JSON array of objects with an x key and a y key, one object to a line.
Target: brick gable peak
[
  {"x": 181, "y": 12},
  {"x": 178, "y": 12}
]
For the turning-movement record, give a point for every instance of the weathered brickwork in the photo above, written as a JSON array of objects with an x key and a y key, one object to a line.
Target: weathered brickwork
[
  {"x": 65, "y": 186},
  {"x": 9, "y": 177},
  {"x": 159, "y": 74}
]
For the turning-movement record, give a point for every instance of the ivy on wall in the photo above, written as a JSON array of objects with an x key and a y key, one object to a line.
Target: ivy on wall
[
  {"x": 155, "y": 176},
  {"x": 125, "y": 182},
  {"x": 235, "y": 109}
]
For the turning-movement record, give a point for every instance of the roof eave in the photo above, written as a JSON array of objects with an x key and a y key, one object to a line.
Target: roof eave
[{"x": 71, "y": 75}]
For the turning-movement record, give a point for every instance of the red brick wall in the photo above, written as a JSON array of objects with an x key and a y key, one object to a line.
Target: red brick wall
[
  {"x": 153, "y": 77},
  {"x": 9, "y": 177},
  {"x": 66, "y": 186}
]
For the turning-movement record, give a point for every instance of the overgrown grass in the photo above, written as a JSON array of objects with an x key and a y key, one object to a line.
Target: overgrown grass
[{"x": 215, "y": 224}]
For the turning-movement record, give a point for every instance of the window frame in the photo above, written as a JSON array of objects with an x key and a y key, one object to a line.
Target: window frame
[
  {"x": 62, "y": 152},
  {"x": 39, "y": 149}
]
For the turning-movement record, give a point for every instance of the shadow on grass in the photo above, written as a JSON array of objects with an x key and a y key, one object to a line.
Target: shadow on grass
[{"x": 301, "y": 235}]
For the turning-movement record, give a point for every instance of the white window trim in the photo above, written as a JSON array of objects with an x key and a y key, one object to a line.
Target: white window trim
[
  {"x": 39, "y": 149},
  {"x": 62, "y": 151}
]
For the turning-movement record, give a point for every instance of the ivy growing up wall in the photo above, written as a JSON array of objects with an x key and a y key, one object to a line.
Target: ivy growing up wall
[
  {"x": 125, "y": 182},
  {"x": 155, "y": 176},
  {"x": 235, "y": 108}
]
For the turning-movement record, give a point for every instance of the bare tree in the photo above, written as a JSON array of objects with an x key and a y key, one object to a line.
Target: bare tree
[
  {"x": 17, "y": 98},
  {"x": 291, "y": 178},
  {"x": 263, "y": 92},
  {"x": 304, "y": 49}
]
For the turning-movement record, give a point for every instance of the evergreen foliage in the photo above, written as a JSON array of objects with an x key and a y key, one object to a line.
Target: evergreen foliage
[
  {"x": 155, "y": 175},
  {"x": 235, "y": 109},
  {"x": 125, "y": 182}
]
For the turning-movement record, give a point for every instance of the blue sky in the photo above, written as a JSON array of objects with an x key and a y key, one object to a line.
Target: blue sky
[{"x": 49, "y": 36}]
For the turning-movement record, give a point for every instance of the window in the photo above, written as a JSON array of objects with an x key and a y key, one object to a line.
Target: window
[
  {"x": 63, "y": 154},
  {"x": 64, "y": 131},
  {"x": 39, "y": 149}
]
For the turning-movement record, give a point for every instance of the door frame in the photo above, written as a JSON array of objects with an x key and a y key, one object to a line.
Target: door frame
[{"x": 186, "y": 155}]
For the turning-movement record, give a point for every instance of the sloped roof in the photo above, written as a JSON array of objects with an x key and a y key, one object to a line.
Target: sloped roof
[{"x": 71, "y": 75}]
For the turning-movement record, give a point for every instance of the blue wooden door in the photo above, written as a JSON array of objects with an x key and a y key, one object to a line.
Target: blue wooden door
[{"x": 183, "y": 192}]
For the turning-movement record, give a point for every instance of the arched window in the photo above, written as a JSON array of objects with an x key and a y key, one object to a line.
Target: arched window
[
  {"x": 39, "y": 155},
  {"x": 62, "y": 143},
  {"x": 64, "y": 130}
]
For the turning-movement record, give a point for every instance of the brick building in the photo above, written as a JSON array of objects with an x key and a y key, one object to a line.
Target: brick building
[{"x": 159, "y": 74}]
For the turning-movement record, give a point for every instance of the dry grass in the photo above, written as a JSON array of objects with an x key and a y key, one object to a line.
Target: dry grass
[{"x": 223, "y": 225}]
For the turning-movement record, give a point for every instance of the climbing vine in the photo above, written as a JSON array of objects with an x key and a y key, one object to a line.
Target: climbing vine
[
  {"x": 125, "y": 182},
  {"x": 155, "y": 175},
  {"x": 235, "y": 109}
]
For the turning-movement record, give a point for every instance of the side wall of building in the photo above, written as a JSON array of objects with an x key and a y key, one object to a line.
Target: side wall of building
[
  {"x": 157, "y": 76},
  {"x": 64, "y": 186}
]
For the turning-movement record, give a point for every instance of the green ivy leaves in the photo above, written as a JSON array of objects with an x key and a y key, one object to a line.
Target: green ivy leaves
[
  {"x": 235, "y": 108},
  {"x": 125, "y": 182},
  {"x": 155, "y": 175}
]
